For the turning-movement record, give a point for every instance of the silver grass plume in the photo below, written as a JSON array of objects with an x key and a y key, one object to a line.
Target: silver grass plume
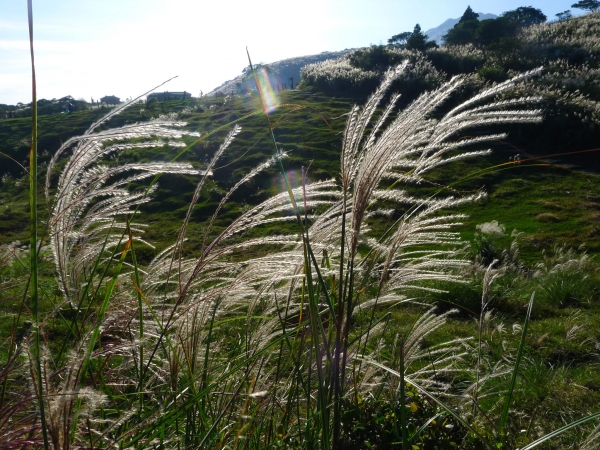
[
  {"x": 422, "y": 244},
  {"x": 92, "y": 198},
  {"x": 183, "y": 295}
]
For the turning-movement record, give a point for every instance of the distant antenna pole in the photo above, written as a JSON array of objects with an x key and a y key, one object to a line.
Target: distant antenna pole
[{"x": 292, "y": 80}]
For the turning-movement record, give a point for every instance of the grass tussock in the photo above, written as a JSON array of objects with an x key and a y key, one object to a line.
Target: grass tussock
[{"x": 547, "y": 217}]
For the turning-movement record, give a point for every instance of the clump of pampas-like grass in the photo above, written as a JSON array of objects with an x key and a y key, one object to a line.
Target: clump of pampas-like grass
[{"x": 212, "y": 351}]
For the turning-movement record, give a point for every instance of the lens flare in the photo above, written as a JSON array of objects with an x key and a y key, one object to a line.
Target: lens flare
[{"x": 266, "y": 90}]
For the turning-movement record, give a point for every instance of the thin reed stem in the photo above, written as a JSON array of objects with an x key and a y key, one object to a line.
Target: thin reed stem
[{"x": 33, "y": 222}]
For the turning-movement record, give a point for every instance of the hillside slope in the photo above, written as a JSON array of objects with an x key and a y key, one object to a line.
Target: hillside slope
[
  {"x": 522, "y": 197},
  {"x": 281, "y": 72},
  {"x": 302, "y": 131},
  {"x": 567, "y": 51}
]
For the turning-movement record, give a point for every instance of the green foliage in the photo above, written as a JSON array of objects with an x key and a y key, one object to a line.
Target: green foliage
[
  {"x": 565, "y": 280},
  {"x": 492, "y": 73},
  {"x": 568, "y": 288},
  {"x": 468, "y": 15},
  {"x": 400, "y": 39},
  {"x": 499, "y": 33},
  {"x": 374, "y": 423},
  {"x": 525, "y": 16},
  {"x": 491, "y": 32},
  {"x": 461, "y": 34},
  {"x": 588, "y": 5},
  {"x": 464, "y": 31},
  {"x": 45, "y": 107},
  {"x": 454, "y": 63},
  {"x": 376, "y": 58},
  {"x": 418, "y": 41},
  {"x": 567, "y": 49},
  {"x": 412, "y": 41},
  {"x": 563, "y": 16}
]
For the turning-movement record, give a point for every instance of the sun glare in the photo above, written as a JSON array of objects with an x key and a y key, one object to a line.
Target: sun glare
[{"x": 266, "y": 88}]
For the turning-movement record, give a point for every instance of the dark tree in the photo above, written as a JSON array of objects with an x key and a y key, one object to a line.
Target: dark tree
[
  {"x": 375, "y": 58},
  {"x": 491, "y": 31},
  {"x": 464, "y": 31},
  {"x": 151, "y": 104},
  {"x": 563, "y": 16},
  {"x": 525, "y": 16},
  {"x": 418, "y": 40},
  {"x": 587, "y": 5},
  {"x": 469, "y": 14},
  {"x": 399, "y": 39}
]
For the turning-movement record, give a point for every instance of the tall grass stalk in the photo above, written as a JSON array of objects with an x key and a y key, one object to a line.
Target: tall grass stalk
[
  {"x": 33, "y": 227},
  {"x": 317, "y": 331},
  {"x": 562, "y": 430},
  {"x": 138, "y": 284}
]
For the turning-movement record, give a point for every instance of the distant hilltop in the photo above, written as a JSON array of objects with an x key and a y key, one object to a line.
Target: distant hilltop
[
  {"x": 435, "y": 34},
  {"x": 281, "y": 73},
  {"x": 287, "y": 71}
]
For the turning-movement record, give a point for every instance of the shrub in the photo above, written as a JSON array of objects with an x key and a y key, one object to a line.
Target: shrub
[
  {"x": 566, "y": 279},
  {"x": 492, "y": 73}
]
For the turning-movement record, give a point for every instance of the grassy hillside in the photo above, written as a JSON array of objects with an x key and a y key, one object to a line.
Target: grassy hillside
[
  {"x": 379, "y": 310},
  {"x": 546, "y": 199},
  {"x": 567, "y": 50}
]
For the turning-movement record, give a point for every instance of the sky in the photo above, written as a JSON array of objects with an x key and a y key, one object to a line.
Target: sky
[{"x": 92, "y": 48}]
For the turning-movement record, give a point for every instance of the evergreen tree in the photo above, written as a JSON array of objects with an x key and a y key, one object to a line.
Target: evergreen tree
[
  {"x": 563, "y": 16},
  {"x": 525, "y": 16},
  {"x": 491, "y": 31},
  {"x": 469, "y": 14},
  {"x": 400, "y": 39},
  {"x": 464, "y": 31},
  {"x": 417, "y": 39},
  {"x": 588, "y": 5}
]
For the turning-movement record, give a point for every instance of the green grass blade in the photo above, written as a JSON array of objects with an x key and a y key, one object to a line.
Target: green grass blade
[
  {"x": 84, "y": 295},
  {"x": 435, "y": 400},
  {"x": 141, "y": 317},
  {"x": 104, "y": 307},
  {"x": 316, "y": 325},
  {"x": 171, "y": 414},
  {"x": 513, "y": 381},
  {"x": 561, "y": 430},
  {"x": 423, "y": 427},
  {"x": 204, "y": 382}
]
